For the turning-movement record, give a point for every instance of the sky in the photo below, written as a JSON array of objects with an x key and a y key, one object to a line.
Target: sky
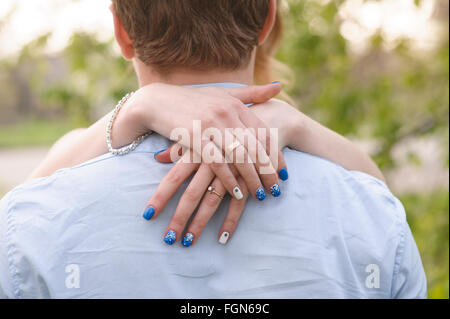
[{"x": 31, "y": 18}]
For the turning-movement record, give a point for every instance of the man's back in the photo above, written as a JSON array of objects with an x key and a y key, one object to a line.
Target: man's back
[{"x": 80, "y": 234}]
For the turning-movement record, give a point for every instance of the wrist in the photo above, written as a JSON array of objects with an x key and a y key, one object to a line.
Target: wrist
[
  {"x": 136, "y": 112},
  {"x": 295, "y": 130},
  {"x": 130, "y": 123}
]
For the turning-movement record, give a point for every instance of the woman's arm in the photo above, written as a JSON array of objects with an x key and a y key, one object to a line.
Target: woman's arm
[
  {"x": 302, "y": 133},
  {"x": 155, "y": 107},
  {"x": 297, "y": 131}
]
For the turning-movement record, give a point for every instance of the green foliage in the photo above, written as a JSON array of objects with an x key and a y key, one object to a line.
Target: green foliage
[
  {"x": 33, "y": 133},
  {"x": 97, "y": 77},
  {"x": 383, "y": 95},
  {"x": 427, "y": 215}
]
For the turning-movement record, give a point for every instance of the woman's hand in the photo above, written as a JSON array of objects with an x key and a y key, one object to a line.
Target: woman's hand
[
  {"x": 206, "y": 116},
  {"x": 205, "y": 190},
  {"x": 295, "y": 130}
]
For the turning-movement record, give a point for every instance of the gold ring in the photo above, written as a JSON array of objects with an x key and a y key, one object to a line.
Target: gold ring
[
  {"x": 233, "y": 146},
  {"x": 213, "y": 191}
]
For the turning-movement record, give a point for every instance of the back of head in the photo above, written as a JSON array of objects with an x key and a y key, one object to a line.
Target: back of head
[{"x": 194, "y": 34}]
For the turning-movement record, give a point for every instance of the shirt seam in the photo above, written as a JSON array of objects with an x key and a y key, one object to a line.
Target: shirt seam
[
  {"x": 62, "y": 171},
  {"x": 399, "y": 255},
  {"x": 12, "y": 250}
]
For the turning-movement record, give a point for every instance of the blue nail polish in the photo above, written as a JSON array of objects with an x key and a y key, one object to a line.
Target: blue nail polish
[
  {"x": 283, "y": 174},
  {"x": 149, "y": 212},
  {"x": 159, "y": 152},
  {"x": 275, "y": 82},
  {"x": 260, "y": 194},
  {"x": 275, "y": 190},
  {"x": 170, "y": 237},
  {"x": 187, "y": 240}
]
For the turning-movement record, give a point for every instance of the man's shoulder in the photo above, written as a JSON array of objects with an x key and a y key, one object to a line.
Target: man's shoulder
[
  {"x": 103, "y": 171},
  {"x": 68, "y": 209},
  {"x": 321, "y": 174},
  {"x": 358, "y": 203}
]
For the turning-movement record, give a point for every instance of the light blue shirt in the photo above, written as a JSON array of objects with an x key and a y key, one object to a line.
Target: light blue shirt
[{"x": 79, "y": 233}]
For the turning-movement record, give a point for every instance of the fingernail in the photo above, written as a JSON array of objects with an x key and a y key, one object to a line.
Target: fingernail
[
  {"x": 276, "y": 82},
  {"x": 260, "y": 194},
  {"x": 149, "y": 212},
  {"x": 187, "y": 240},
  {"x": 283, "y": 174},
  {"x": 224, "y": 238},
  {"x": 275, "y": 190},
  {"x": 159, "y": 152},
  {"x": 170, "y": 237},
  {"x": 237, "y": 193}
]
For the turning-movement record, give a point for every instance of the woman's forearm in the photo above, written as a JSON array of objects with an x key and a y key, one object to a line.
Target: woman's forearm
[
  {"x": 298, "y": 132},
  {"x": 316, "y": 139},
  {"x": 82, "y": 145}
]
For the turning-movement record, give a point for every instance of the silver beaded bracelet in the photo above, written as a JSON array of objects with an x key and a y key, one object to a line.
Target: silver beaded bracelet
[{"x": 126, "y": 149}]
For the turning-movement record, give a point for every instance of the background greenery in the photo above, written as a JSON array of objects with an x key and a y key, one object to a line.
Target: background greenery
[{"x": 384, "y": 95}]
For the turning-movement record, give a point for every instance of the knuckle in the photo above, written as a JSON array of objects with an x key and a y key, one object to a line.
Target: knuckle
[
  {"x": 222, "y": 112},
  {"x": 192, "y": 194},
  {"x": 209, "y": 120},
  {"x": 253, "y": 91},
  {"x": 212, "y": 201},
  {"x": 216, "y": 167},
  {"x": 173, "y": 177},
  {"x": 237, "y": 105}
]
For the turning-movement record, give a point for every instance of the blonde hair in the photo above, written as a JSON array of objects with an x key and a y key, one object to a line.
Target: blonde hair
[{"x": 267, "y": 67}]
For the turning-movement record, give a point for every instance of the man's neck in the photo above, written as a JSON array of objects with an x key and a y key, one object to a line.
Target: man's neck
[{"x": 146, "y": 75}]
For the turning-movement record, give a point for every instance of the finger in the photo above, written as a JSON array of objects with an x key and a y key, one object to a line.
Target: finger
[
  {"x": 255, "y": 93},
  {"x": 212, "y": 155},
  {"x": 282, "y": 167},
  {"x": 234, "y": 213},
  {"x": 268, "y": 140},
  {"x": 266, "y": 136},
  {"x": 247, "y": 170},
  {"x": 255, "y": 155},
  {"x": 188, "y": 202},
  {"x": 171, "y": 154},
  {"x": 168, "y": 186},
  {"x": 206, "y": 210}
]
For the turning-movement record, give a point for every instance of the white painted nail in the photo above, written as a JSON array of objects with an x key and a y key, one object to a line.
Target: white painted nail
[
  {"x": 224, "y": 238},
  {"x": 237, "y": 193}
]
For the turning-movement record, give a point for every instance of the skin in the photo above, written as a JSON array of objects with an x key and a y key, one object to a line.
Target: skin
[{"x": 161, "y": 105}]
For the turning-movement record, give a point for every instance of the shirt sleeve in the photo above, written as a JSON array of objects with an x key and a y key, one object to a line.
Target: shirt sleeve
[
  {"x": 6, "y": 282},
  {"x": 409, "y": 281}
]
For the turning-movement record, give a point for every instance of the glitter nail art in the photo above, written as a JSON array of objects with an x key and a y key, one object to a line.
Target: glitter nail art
[
  {"x": 260, "y": 194},
  {"x": 275, "y": 190},
  {"x": 170, "y": 237},
  {"x": 187, "y": 240}
]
